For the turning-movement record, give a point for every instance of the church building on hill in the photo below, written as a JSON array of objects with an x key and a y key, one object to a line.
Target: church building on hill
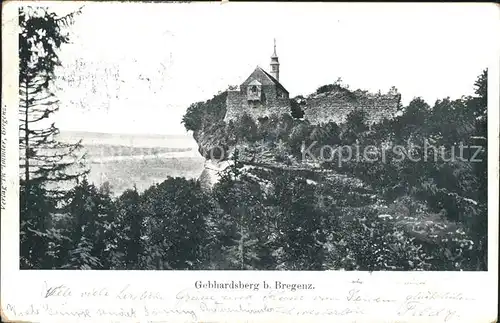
[{"x": 260, "y": 95}]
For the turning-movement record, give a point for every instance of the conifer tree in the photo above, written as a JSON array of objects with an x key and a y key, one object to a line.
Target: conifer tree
[
  {"x": 42, "y": 158},
  {"x": 131, "y": 226},
  {"x": 241, "y": 199},
  {"x": 44, "y": 162}
]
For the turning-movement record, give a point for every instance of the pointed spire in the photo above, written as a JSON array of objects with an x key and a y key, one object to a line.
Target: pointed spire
[
  {"x": 274, "y": 52},
  {"x": 275, "y": 65}
]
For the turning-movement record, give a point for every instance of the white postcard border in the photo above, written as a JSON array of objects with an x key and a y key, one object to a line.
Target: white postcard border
[{"x": 22, "y": 288}]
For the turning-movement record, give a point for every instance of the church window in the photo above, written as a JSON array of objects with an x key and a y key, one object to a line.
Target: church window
[{"x": 254, "y": 91}]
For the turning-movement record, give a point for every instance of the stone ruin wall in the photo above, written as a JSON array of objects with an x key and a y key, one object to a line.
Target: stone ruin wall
[{"x": 324, "y": 109}]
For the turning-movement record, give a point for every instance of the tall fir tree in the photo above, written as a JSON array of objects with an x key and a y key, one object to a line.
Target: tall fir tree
[
  {"x": 42, "y": 157},
  {"x": 131, "y": 225},
  {"x": 44, "y": 162}
]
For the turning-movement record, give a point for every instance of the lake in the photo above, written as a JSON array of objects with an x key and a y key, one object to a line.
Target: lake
[{"x": 125, "y": 160}]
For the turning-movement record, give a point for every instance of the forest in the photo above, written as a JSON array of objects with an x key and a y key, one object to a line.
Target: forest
[{"x": 394, "y": 215}]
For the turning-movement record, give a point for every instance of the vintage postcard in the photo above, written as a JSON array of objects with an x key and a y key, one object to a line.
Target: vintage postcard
[{"x": 249, "y": 162}]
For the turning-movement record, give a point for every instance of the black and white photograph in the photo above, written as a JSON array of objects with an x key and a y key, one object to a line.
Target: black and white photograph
[{"x": 252, "y": 136}]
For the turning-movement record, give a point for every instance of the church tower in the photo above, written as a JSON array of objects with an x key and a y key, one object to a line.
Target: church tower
[{"x": 275, "y": 64}]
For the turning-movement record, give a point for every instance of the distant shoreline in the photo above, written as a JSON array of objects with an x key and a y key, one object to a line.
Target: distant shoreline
[
  {"x": 130, "y": 140},
  {"x": 118, "y": 134},
  {"x": 111, "y": 159}
]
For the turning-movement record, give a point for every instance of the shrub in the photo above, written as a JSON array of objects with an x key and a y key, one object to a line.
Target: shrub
[
  {"x": 200, "y": 114},
  {"x": 364, "y": 241}
]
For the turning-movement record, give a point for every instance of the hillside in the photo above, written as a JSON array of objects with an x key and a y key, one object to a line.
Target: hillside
[{"x": 424, "y": 214}]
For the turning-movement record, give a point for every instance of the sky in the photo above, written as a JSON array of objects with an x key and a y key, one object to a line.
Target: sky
[{"x": 136, "y": 67}]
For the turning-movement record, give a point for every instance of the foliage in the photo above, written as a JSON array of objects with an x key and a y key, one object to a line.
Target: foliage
[
  {"x": 241, "y": 198},
  {"x": 33, "y": 226},
  {"x": 297, "y": 105},
  {"x": 338, "y": 88},
  {"x": 175, "y": 224},
  {"x": 300, "y": 236},
  {"x": 367, "y": 242},
  {"x": 92, "y": 225},
  {"x": 355, "y": 126},
  {"x": 202, "y": 114},
  {"x": 130, "y": 223},
  {"x": 442, "y": 175},
  {"x": 246, "y": 128}
]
